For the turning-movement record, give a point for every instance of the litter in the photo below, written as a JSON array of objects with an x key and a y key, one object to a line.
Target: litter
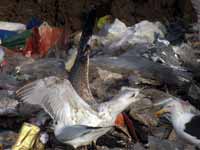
[
  {"x": 12, "y": 26},
  {"x": 76, "y": 82},
  {"x": 27, "y": 137}
]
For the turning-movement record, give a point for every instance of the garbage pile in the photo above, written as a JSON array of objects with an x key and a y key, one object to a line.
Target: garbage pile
[{"x": 134, "y": 71}]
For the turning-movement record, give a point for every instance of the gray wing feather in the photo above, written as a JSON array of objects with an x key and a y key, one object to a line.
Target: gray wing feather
[
  {"x": 72, "y": 132},
  {"x": 55, "y": 95}
]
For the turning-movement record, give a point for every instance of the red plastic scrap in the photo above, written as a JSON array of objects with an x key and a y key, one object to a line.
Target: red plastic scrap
[
  {"x": 48, "y": 38},
  {"x": 32, "y": 43},
  {"x": 41, "y": 40},
  {"x": 64, "y": 39},
  {"x": 119, "y": 121}
]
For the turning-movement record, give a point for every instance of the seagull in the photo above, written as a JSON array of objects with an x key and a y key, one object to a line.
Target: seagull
[
  {"x": 78, "y": 119},
  {"x": 185, "y": 120},
  {"x": 76, "y": 122}
]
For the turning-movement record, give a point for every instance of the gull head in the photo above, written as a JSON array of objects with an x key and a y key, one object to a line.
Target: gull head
[
  {"x": 109, "y": 110},
  {"x": 174, "y": 108}
]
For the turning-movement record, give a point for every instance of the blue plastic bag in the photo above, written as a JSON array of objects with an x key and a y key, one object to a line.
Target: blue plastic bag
[
  {"x": 34, "y": 22},
  {"x": 5, "y": 34}
]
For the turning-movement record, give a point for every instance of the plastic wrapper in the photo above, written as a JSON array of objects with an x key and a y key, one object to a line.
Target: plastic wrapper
[
  {"x": 42, "y": 39},
  {"x": 120, "y": 120},
  {"x": 17, "y": 41},
  {"x": 49, "y": 36},
  {"x": 103, "y": 21},
  {"x": 34, "y": 22},
  {"x": 118, "y": 36},
  {"x": 12, "y": 26},
  {"x": 27, "y": 137},
  {"x": 6, "y": 34}
]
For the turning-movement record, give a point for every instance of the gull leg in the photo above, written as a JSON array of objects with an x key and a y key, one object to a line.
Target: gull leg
[
  {"x": 124, "y": 131},
  {"x": 92, "y": 146},
  {"x": 82, "y": 148}
]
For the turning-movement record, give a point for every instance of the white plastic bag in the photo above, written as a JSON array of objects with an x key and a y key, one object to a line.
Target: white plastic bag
[{"x": 12, "y": 26}]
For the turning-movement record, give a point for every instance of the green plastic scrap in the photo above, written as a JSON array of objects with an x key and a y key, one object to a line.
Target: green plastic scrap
[
  {"x": 103, "y": 20},
  {"x": 18, "y": 40}
]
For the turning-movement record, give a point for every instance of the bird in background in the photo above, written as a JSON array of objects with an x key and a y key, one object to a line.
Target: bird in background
[
  {"x": 76, "y": 123},
  {"x": 185, "y": 120}
]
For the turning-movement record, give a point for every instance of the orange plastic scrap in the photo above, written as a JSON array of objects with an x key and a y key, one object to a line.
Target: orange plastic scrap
[
  {"x": 42, "y": 39},
  {"x": 49, "y": 36},
  {"x": 28, "y": 50},
  {"x": 32, "y": 43},
  {"x": 63, "y": 41},
  {"x": 119, "y": 121}
]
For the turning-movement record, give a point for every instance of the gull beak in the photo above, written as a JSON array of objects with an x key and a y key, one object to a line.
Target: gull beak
[{"x": 161, "y": 112}]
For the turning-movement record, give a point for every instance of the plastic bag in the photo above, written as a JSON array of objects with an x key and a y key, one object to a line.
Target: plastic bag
[
  {"x": 12, "y": 26},
  {"x": 42, "y": 39},
  {"x": 49, "y": 36},
  {"x": 17, "y": 41},
  {"x": 6, "y": 34}
]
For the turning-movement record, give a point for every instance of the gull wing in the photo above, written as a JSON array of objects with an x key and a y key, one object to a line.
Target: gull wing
[
  {"x": 72, "y": 132},
  {"x": 55, "y": 95}
]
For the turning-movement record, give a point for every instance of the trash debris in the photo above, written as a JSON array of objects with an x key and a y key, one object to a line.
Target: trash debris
[
  {"x": 34, "y": 22},
  {"x": 16, "y": 41},
  {"x": 103, "y": 85},
  {"x": 41, "y": 141},
  {"x": 41, "y": 40},
  {"x": 118, "y": 36},
  {"x": 36, "y": 40},
  {"x": 4, "y": 34},
  {"x": 53, "y": 35},
  {"x": 103, "y": 21},
  {"x": 12, "y": 26},
  {"x": 27, "y": 137}
]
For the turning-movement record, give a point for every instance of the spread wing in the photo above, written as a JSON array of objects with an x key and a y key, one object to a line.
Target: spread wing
[
  {"x": 72, "y": 132},
  {"x": 55, "y": 95}
]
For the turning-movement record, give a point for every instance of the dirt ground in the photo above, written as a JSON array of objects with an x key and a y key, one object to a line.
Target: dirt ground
[{"x": 129, "y": 11}]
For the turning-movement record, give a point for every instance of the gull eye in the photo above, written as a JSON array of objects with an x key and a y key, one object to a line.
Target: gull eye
[
  {"x": 133, "y": 95},
  {"x": 169, "y": 106}
]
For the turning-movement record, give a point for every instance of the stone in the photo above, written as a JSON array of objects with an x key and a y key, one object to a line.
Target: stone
[{"x": 158, "y": 144}]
